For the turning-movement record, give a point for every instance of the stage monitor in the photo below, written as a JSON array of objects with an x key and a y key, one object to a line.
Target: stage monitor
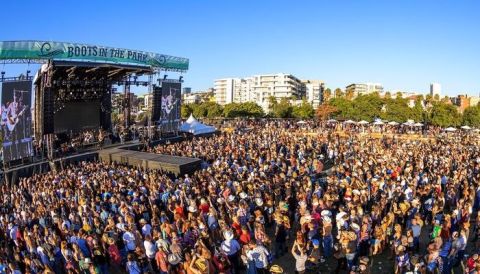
[
  {"x": 75, "y": 116},
  {"x": 16, "y": 119},
  {"x": 171, "y": 98}
]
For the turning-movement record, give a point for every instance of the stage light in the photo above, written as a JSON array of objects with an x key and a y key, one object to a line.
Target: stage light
[
  {"x": 28, "y": 72},
  {"x": 180, "y": 79},
  {"x": 165, "y": 77}
]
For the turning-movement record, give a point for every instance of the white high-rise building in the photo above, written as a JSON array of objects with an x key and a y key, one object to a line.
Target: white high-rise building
[
  {"x": 314, "y": 91},
  {"x": 435, "y": 88},
  {"x": 259, "y": 89},
  {"x": 363, "y": 89}
]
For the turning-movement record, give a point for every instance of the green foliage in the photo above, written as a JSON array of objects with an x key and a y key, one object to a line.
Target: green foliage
[
  {"x": 282, "y": 109},
  {"x": 367, "y": 107},
  {"x": 444, "y": 115},
  {"x": 471, "y": 116},
  {"x": 186, "y": 110},
  {"x": 249, "y": 109},
  {"x": 344, "y": 108},
  {"x": 205, "y": 109},
  {"x": 303, "y": 111},
  {"x": 396, "y": 109}
]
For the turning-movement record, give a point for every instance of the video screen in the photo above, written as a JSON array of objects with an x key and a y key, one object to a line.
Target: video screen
[
  {"x": 171, "y": 99},
  {"x": 16, "y": 120}
]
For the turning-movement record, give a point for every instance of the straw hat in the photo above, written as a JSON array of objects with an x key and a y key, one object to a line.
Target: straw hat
[
  {"x": 201, "y": 264},
  {"x": 276, "y": 269}
]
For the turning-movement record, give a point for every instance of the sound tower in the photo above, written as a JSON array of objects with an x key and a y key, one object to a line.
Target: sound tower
[
  {"x": 156, "y": 104},
  {"x": 48, "y": 110}
]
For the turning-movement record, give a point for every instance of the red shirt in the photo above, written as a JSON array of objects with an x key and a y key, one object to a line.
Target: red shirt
[
  {"x": 204, "y": 208},
  {"x": 245, "y": 238}
]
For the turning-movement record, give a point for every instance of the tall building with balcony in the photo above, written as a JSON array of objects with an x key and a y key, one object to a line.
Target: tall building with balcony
[
  {"x": 314, "y": 91},
  {"x": 357, "y": 89},
  {"x": 258, "y": 89}
]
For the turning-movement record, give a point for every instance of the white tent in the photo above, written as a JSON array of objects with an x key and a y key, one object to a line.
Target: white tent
[
  {"x": 349, "y": 122},
  {"x": 418, "y": 124},
  {"x": 331, "y": 121},
  {"x": 392, "y": 123},
  {"x": 301, "y": 122},
  {"x": 466, "y": 127},
  {"x": 378, "y": 123},
  {"x": 450, "y": 129},
  {"x": 363, "y": 122},
  {"x": 195, "y": 127}
]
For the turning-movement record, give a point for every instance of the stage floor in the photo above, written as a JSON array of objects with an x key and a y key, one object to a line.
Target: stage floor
[{"x": 174, "y": 164}]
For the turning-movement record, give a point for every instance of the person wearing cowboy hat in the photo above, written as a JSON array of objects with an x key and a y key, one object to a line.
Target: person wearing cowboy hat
[{"x": 231, "y": 247}]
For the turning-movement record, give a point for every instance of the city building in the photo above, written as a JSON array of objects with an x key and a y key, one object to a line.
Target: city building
[
  {"x": 435, "y": 89},
  {"x": 259, "y": 89},
  {"x": 190, "y": 98},
  {"x": 148, "y": 101},
  {"x": 187, "y": 90},
  {"x": 474, "y": 100},
  {"x": 461, "y": 101},
  {"x": 356, "y": 89},
  {"x": 314, "y": 91}
]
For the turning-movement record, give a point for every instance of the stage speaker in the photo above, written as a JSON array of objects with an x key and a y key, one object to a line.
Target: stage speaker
[
  {"x": 48, "y": 111},
  {"x": 157, "y": 104}
]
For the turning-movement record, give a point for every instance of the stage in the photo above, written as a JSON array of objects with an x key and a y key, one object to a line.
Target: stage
[{"x": 174, "y": 164}]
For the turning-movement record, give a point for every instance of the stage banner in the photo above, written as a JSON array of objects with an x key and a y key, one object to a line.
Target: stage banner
[
  {"x": 47, "y": 50},
  {"x": 171, "y": 98},
  {"x": 16, "y": 121}
]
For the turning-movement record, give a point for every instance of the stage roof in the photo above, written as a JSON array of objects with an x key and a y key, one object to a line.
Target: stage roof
[{"x": 42, "y": 51}]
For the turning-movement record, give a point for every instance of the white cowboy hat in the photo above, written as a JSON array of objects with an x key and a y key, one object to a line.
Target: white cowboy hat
[
  {"x": 231, "y": 198},
  {"x": 326, "y": 213},
  {"x": 355, "y": 226},
  {"x": 258, "y": 201},
  {"x": 192, "y": 209},
  {"x": 228, "y": 235},
  {"x": 243, "y": 195}
]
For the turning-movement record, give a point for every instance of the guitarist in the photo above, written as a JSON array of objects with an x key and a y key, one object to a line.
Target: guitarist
[{"x": 15, "y": 111}]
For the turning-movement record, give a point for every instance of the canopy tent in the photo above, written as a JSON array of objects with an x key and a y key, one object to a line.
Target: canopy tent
[
  {"x": 301, "y": 122},
  {"x": 392, "y": 123},
  {"x": 378, "y": 123},
  {"x": 331, "y": 121},
  {"x": 349, "y": 122},
  {"x": 418, "y": 124},
  {"x": 450, "y": 129},
  {"x": 363, "y": 122},
  {"x": 193, "y": 126},
  {"x": 466, "y": 127}
]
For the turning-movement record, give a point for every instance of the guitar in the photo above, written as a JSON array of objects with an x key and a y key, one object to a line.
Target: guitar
[{"x": 13, "y": 120}]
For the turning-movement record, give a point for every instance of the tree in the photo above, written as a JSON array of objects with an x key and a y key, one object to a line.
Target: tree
[
  {"x": 396, "y": 110},
  {"x": 186, "y": 110},
  {"x": 388, "y": 95},
  {"x": 327, "y": 95},
  {"x": 324, "y": 111},
  {"x": 367, "y": 107},
  {"x": 214, "y": 110},
  {"x": 349, "y": 94},
  {"x": 304, "y": 110},
  {"x": 282, "y": 109},
  {"x": 417, "y": 112},
  {"x": 444, "y": 115},
  {"x": 249, "y": 109},
  {"x": 338, "y": 93},
  {"x": 471, "y": 116},
  {"x": 343, "y": 108}
]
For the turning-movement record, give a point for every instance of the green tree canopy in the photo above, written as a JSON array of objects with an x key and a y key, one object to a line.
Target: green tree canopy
[
  {"x": 471, "y": 116},
  {"x": 444, "y": 115},
  {"x": 303, "y": 111},
  {"x": 248, "y": 109}
]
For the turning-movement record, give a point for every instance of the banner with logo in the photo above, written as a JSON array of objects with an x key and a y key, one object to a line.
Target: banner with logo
[{"x": 45, "y": 50}]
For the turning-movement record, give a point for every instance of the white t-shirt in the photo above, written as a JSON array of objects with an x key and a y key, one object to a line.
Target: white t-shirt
[{"x": 150, "y": 249}]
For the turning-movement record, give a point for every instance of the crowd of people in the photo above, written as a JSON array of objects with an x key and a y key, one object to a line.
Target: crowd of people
[{"x": 265, "y": 201}]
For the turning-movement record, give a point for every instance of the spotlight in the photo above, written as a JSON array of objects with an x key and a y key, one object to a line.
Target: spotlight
[
  {"x": 180, "y": 79},
  {"x": 165, "y": 77}
]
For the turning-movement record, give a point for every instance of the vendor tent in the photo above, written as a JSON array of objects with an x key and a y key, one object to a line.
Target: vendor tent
[{"x": 193, "y": 126}]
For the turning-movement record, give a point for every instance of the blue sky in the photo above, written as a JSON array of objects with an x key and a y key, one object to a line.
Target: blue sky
[{"x": 404, "y": 44}]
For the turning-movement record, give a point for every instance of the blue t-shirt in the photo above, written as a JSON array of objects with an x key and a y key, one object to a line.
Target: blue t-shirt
[{"x": 3, "y": 269}]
